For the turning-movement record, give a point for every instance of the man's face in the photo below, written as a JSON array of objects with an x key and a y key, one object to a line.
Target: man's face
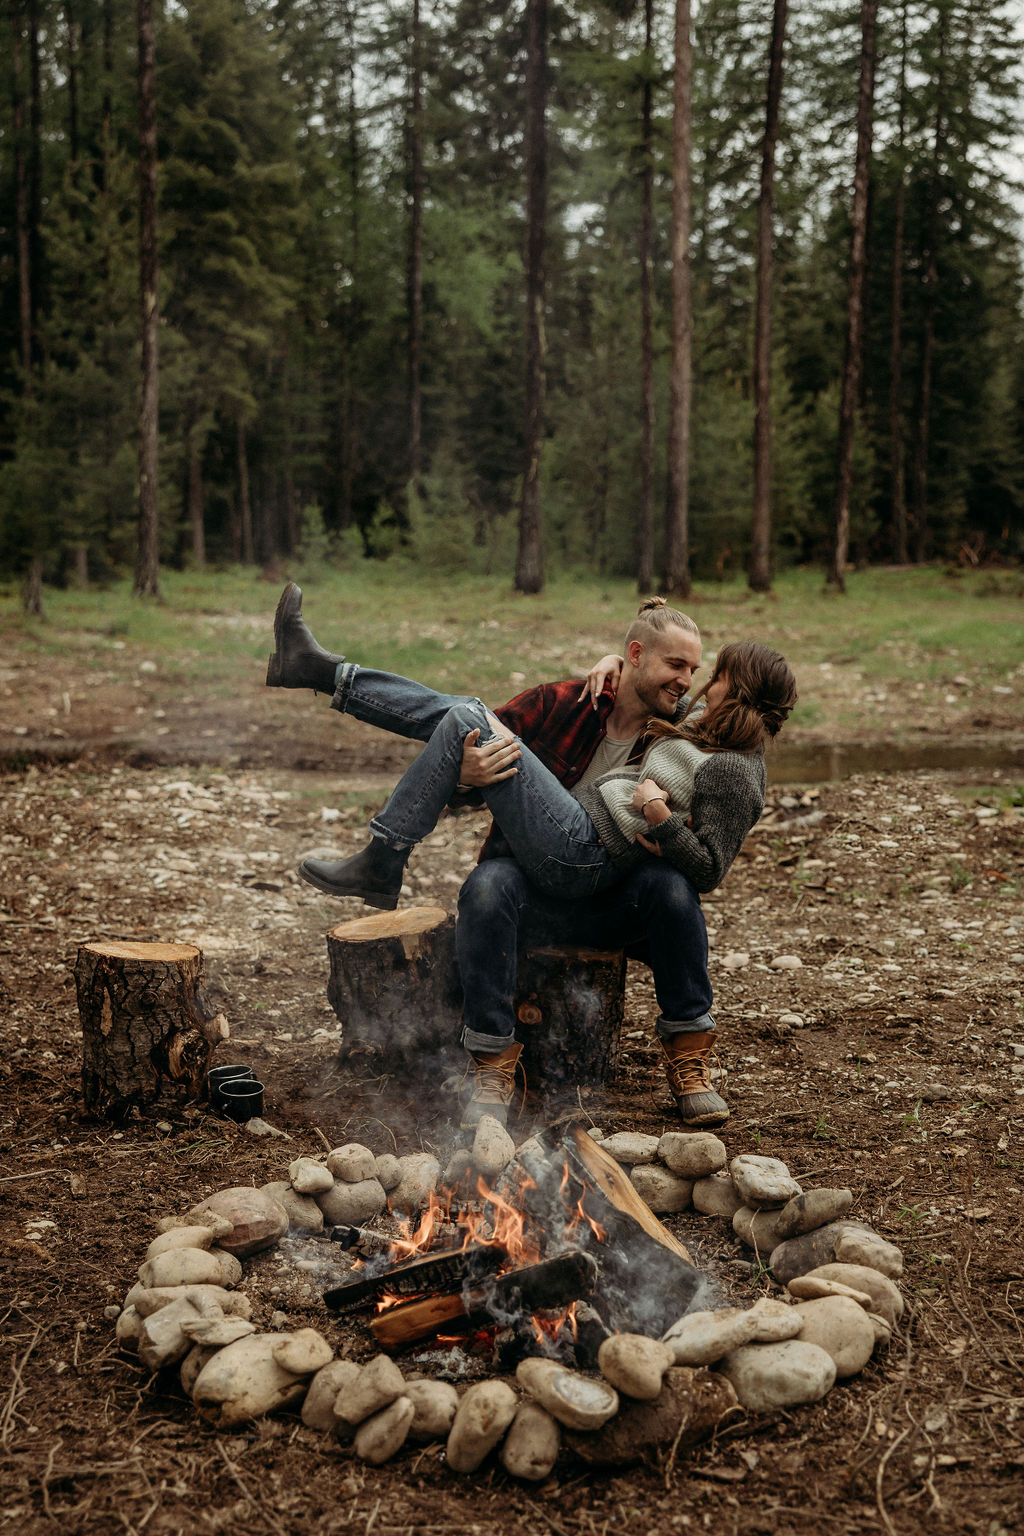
[{"x": 665, "y": 668}]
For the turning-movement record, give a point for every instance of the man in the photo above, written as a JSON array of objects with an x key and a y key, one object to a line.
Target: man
[{"x": 654, "y": 909}]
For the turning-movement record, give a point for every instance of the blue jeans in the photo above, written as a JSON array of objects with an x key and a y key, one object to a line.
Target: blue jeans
[
  {"x": 500, "y": 911},
  {"x": 553, "y": 839}
]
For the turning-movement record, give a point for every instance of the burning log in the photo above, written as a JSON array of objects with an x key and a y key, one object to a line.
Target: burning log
[
  {"x": 433, "y": 1272},
  {"x": 553, "y": 1283},
  {"x": 394, "y": 984},
  {"x": 144, "y": 1023}
]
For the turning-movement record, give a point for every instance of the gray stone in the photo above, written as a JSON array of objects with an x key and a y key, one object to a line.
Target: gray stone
[
  {"x": 716, "y": 1196},
  {"x": 304, "y": 1215},
  {"x": 763, "y": 1182},
  {"x": 797, "y": 1255},
  {"x": 387, "y": 1171},
  {"x": 575, "y": 1401},
  {"x": 814, "y": 1209},
  {"x": 661, "y": 1190},
  {"x": 482, "y": 1417},
  {"x": 632, "y": 1147},
  {"x": 770, "y": 1376},
  {"x": 190, "y": 1266},
  {"x": 382, "y": 1436},
  {"x": 634, "y": 1364},
  {"x": 701, "y": 1338},
  {"x": 841, "y": 1328},
  {"x": 351, "y": 1204},
  {"x": 420, "y": 1172},
  {"x": 435, "y": 1404},
  {"x": 692, "y": 1154},
  {"x": 353, "y": 1162},
  {"x": 776, "y": 1320},
  {"x": 330, "y": 1382},
  {"x": 308, "y": 1176},
  {"x": 493, "y": 1147},
  {"x": 862, "y": 1246},
  {"x": 531, "y": 1446},
  {"x": 885, "y": 1294},
  {"x": 379, "y": 1383},
  {"x": 258, "y": 1221},
  {"x": 757, "y": 1229}
]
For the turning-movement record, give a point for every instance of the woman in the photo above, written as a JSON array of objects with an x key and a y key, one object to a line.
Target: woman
[{"x": 692, "y": 799}]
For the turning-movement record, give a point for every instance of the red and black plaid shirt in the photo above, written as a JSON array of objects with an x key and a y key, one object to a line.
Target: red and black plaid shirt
[{"x": 561, "y": 731}]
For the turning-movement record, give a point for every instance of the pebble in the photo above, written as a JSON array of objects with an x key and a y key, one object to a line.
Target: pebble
[
  {"x": 716, "y": 1196},
  {"x": 763, "y": 1181},
  {"x": 664, "y": 1192},
  {"x": 692, "y": 1155},
  {"x": 633, "y": 1147},
  {"x": 735, "y": 960},
  {"x": 353, "y": 1163},
  {"x": 347, "y": 1204},
  {"x": 811, "y": 1288},
  {"x": 786, "y": 963},
  {"x": 840, "y": 1327},
  {"x": 886, "y": 1300},
  {"x": 574, "y": 1400},
  {"x": 701, "y": 1338},
  {"x": 770, "y": 1376},
  {"x": 258, "y": 1127},
  {"x": 814, "y": 1209}
]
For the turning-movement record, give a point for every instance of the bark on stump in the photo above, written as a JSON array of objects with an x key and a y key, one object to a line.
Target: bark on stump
[
  {"x": 394, "y": 985},
  {"x": 569, "y": 1006},
  {"x": 144, "y": 1024}
]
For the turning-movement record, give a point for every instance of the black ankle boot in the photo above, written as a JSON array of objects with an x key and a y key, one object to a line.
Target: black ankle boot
[
  {"x": 298, "y": 661},
  {"x": 375, "y": 875}
]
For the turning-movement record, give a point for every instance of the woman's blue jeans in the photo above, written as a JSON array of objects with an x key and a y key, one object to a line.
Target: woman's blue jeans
[{"x": 553, "y": 839}]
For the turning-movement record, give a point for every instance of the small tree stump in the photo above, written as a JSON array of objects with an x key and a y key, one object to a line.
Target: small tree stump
[
  {"x": 570, "y": 1005},
  {"x": 394, "y": 984},
  {"x": 143, "y": 1023}
]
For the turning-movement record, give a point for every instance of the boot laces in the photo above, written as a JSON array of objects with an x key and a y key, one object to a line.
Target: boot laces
[{"x": 495, "y": 1081}]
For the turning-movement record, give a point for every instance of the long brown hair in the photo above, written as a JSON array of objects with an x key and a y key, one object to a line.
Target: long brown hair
[{"x": 761, "y": 694}]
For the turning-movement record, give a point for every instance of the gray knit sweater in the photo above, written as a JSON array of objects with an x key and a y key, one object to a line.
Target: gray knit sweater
[{"x": 725, "y": 799}]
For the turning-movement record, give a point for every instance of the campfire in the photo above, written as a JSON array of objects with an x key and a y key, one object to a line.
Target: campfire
[{"x": 546, "y": 1261}]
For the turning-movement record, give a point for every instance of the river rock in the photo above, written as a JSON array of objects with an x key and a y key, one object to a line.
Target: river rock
[
  {"x": 434, "y": 1407},
  {"x": 634, "y": 1364},
  {"x": 689, "y": 1407},
  {"x": 482, "y": 1417},
  {"x": 214, "y": 1332},
  {"x": 346, "y": 1204},
  {"x": 150, "y": 1299},
  {"x": 883, "y": 1331},
  {"x": 379, "y": 1438},
  {"x": 181, "y": 1237},
  {"x": 309, "y": 1176},
  {"x": 763, "y": 1182},
  {"x": 810, "y": 1288},
  {"x": 716, "y": 1196},
  {"x": 258, "y": 1221},
  {"x": 329, "y": 1383},
  {"x": 387, "y": 1171},
  {"x": 664, "y": 1192},
  {"x": 493, "y": 1147},
  {"x": 841, "y": 1328},
  {"x": 219, "y": 1226},
  {"x": 816, "y": 1208},
  {"x": 799, "y": 1254},
  {"x": 128, "y": 1327},
  {"x": 770, "y": 1376},
  {"x": 303, "y": 1352},
  {"x": 859, "y": 1245},
  {"x": 161, "y": 1339},
  {"x": 353, "y": 1162},
  {"x": 531, "y": 1446},
  {"x": 379, "y": 1382},
  {"x": 420, "y": 1172},
  {"x": 633, "y": 1147},
  {"x": 776, "y": 1320},
  {"x": 304, "y": 1215},
  {"x": 757, "y": 1229},
  {"x": 190, "y": 1266},
  {"x": 885, "y": 1294},
  {"x": 188, "y": 1372},
  {"x": 701, "y": 1338},
  {"x": 692, "y": 1154},
  {"x": 574, "y": 1400},
  {"x": 245, "y": 1381}
]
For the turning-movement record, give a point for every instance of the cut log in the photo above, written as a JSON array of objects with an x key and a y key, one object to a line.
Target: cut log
[
  {"x": 569, "y": 1005},
  {"x": 144, "y": 1024},
  {"x": 394, "y": 985}
]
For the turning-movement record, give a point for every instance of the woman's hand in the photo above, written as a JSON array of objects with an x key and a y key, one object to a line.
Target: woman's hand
[
  {"x": 489, "y": 764},
  {"x": 607, "y": 671}
]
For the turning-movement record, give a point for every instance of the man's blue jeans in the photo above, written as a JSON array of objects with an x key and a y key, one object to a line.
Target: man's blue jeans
[{"x": 500, "y": 911}]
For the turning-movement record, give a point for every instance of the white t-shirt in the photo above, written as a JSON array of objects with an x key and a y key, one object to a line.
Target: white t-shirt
[{"x": 610, "y": 754}]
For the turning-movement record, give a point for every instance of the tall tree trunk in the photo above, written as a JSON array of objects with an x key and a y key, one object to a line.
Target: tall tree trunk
[
  {"x": 348, "y": 423},
  {"x": 21, "y": 200},
  {"x": 897, "y": 465},
  {"x": 854, "y": 296},
  {"x": 677, "y": 553},
  {"x": 760, "y": 571},
  {"x": 244, "y": 501},
  {"x": 147, "y": 559},
  {"x": 645, "y": 530},
  {"x": 107, "y": 105},
  {"x": 530, "y": 559},
  {"x": 415, "y": 299},
  {"x": 74, "y": 147},
  {"x": 930, "y": 285},
  {"x": 32, "y": 587},
  {"x": 196, "y": 526}
]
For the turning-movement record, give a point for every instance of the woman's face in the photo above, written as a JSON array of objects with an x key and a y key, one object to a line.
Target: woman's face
[{"x": 717, "y": 690}]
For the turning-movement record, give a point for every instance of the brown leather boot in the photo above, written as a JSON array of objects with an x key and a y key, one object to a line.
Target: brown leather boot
[
  {"x": 495, "y": 1085},
  {"x": 688, "y": 1069}
]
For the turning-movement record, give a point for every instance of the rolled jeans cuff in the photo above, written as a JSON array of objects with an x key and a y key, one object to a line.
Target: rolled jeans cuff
[
  {"x": 666, "y": 1028},
  {"x": 473, "y": 1040},
  {"x": 343, "y": 686}
]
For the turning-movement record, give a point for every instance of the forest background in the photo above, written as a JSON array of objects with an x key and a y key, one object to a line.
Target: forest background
[{"x": 353, "y": 347}]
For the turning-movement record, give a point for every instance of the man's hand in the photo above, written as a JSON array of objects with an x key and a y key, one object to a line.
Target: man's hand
[
  {"x": 489, "y": 764},
  {"x": 655, "y": 848},
  {"x": 606, "y": 671}
]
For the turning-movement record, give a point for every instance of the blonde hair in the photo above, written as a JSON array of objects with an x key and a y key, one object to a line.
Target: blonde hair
[
  {"x": 761, "y": 694},
  {"x": 654, "y": 617}
]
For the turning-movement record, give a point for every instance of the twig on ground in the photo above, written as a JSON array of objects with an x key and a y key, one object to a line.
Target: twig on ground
[
  {"x": 17, "y": 1391},
  {"x": 237, "y": 1478},
  {"x": 880, "y": 1477}
]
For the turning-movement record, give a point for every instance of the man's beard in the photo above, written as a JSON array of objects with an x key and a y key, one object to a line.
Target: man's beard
[{"x": 658, "y": 701}]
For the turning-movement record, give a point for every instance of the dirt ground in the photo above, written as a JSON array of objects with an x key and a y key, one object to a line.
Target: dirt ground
[{"x": 890, "y": 1058}]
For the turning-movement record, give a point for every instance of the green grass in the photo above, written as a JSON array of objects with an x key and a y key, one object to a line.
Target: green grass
[{"x": 909, "y": 632}]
